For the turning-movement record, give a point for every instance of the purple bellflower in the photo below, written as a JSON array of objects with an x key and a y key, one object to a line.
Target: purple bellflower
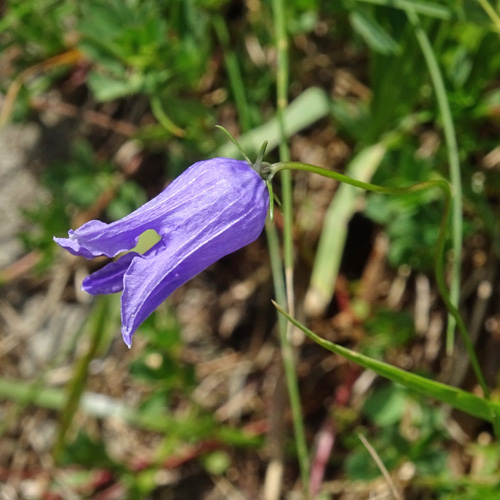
[{"x": 212, "y": 209}]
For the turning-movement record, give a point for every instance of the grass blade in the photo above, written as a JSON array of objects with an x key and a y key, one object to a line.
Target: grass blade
[{"x": 456, "y": 398}]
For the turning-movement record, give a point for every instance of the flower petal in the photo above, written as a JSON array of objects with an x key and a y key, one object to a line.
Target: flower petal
[
  {"x": 214, "y": 208},
  {"x": 73, "y": 246},
  {"x": 109, "y": 279},
  {"x": 202, "y": 181},
  {"x": 224, "y": 228}
]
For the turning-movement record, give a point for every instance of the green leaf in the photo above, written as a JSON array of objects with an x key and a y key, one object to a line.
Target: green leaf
[
  {"x": 87, "y": 452},
  {"x": 107, "y": 88},
  {"x": 373, "y": 34},
  {"x": 425, "y": 8},
  {"x": 387, "y": 406},
  {"x": 306, "y": 109},
  {"x": 457, "y": 398}
]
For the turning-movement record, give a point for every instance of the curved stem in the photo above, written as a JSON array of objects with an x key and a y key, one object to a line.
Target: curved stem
[
  {"x": 453, "y": 160},
  {"x": 439, "y": 262}
]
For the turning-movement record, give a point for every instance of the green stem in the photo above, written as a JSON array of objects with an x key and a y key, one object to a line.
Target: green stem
[
  {"x": 286, "y": 193},
  {"x": 234, "y": 73},
  {"x": 282, "y": 102},
  {"x": 276, "y": 268},
  {"x": 439, "y": 261},
  {"x": 453, "y": 159},
  {"x": 491, "y": 13},
  {"x": 282, "y": 290},
  {"x": 76, "y": 386}
]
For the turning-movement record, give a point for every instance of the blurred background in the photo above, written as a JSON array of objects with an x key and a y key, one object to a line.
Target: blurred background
[{"x": 102, "y": 103}]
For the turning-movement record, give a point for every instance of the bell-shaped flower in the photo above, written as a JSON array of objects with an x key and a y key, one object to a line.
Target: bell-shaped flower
[{"x": 212, "y": 209}]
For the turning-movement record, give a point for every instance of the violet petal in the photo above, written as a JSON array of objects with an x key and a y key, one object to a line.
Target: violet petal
[
  {"x": 108, "y": 279},
  {"x": 214, "y": 208}
]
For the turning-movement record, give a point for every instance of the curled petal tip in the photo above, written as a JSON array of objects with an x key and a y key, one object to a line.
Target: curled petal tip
[
  {"x": 127, "y": 339},
  {"x": 73, "y": 247}
]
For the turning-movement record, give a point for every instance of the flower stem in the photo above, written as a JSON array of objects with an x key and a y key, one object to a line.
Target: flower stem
[
  {"x": 276, "y": 268},
  {"x": 439, "y": 261},
  {"x": 283, "y": 288},
  {"x": 287, "y": 351},
  {"x": 284, "y": 151}
]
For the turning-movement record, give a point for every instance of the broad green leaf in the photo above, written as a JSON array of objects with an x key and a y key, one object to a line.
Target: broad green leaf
[
  {"x": 456, "y": 398},
  {"x": 306, "y": 109}
]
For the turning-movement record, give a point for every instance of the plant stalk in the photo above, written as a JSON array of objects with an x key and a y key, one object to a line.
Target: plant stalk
[
  {"x": 287, "y": 350},
  {"x": 454, "y": 162},
  {"x": 439, "y": 261}
]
